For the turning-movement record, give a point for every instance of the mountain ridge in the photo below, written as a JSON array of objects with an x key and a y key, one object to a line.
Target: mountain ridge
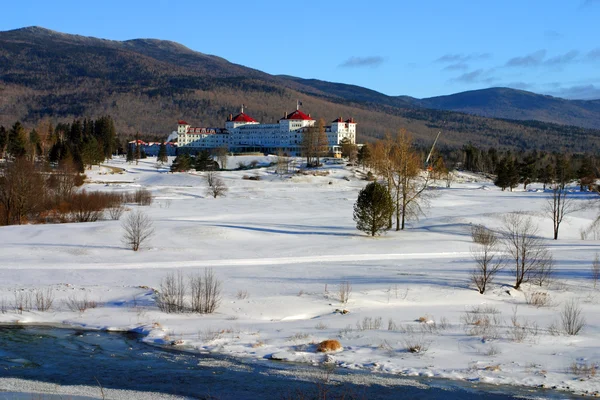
[{"x": 147, "y": 84}]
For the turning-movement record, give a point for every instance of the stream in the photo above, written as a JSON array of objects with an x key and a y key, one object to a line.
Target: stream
[{"x": 107, "y": 360}]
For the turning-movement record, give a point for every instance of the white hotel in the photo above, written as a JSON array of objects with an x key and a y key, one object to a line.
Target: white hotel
[{"x": 243, "y": 133}]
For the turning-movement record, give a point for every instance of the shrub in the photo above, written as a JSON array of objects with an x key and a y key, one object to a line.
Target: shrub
[
  {"x": 44, "y": 299},
  {"x": 171, "y": 294},
  {"x": 88, "y": 206},
  {"x": 74, "y": 303},
  {"x": 538, "y": 299},
  {"x": 571, "y": 317},
  {"x": 206, "y": 292},
  {"x": 143, "y": 197},
  {"x": 416, "y": 344},
  {"x": 344, "y": 292}
]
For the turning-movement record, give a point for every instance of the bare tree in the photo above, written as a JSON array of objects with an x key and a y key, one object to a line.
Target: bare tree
[
  {"x": 559, "y": 205},
  {"x": 217, "y": 188},
  {"x": 571, "y": 317},
  {"x": 22, "y": 190},
  {"x": 409, "y": 187},
  {"x": 488, "y": 264},
  {"x": 322, "y": 146},
  {"x": 310, "y": 137},
  {"x": 221, "y": 155},
  {"x": 138, "y": 228},
  {"x": 596, "y": 269},
  {"x": 524, "y": 247},
  {"x": 171, "y": 295},
  {"x": 283, "y": 163},
  {"x": 210, "y": 178}
]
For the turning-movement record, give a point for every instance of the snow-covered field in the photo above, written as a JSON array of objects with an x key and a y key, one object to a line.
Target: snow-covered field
[{"x": 283, "y": 246}]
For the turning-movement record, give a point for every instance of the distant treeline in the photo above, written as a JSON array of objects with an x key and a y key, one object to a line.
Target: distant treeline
[{"x": 81, "y": 143}]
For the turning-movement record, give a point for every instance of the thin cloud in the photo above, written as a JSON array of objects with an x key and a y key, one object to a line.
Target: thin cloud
[
  {"x": 580, "y": 92},
  {"x": 362, "y": 62},
  {"x": 593, "y": 55},
  {"x": 530, "y": 60},
  {"x": 476, "y": 76},
  {"x": 462, "y": 58},
  {"x": 456, "y": 67},
  {"x": 519, "y": 85},
  {"x": 563, "y": 58},
  {"x": 589, "y": 3},
  {"x": 553, "y": 35}
]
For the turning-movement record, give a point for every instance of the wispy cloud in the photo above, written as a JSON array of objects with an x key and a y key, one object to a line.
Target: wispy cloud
[
  {"x": 589, "y": 3},
  {"x": 462, "y": 58},
  {"x": 457, "y": 67},
  {"x": 519, "y": 85},
  {"x": 362, "y": 62},
  {"x": 530, "y": 60},
  {"x": 582, "y": 92},
  {"x": 476, "y": 76},
  {"x": 593, "y": 55},
  {"x": 562, "y": 58},
  {"x": 553, "y": 35}
]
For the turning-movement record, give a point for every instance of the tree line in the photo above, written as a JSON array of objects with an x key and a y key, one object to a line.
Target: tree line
[{"x": 82, "y": 143}]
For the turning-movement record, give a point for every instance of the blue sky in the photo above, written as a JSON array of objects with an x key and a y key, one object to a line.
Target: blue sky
[{"x": 417, "y": 48}]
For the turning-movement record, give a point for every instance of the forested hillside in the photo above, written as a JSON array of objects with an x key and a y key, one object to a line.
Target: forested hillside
[{"x": 147, "y": 85}]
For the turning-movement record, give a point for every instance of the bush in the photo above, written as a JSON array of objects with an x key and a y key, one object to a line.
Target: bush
[
  {"x": 89, "y": 206},
  {"x": 74, "y": 303},
  {"x": 571, "y": 317},
  {"x": 171, "y": 295},
  {"x": 204, "y": 288},
  {"x": 143, "y": 197}
]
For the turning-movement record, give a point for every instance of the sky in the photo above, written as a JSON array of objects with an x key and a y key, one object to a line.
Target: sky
[{"x": 417, "y": 48}]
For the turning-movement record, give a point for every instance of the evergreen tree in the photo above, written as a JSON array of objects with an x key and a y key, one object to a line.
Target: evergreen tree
[
  {"x": 16, "y": 141},
  {"x": 586, "y": 174},
  {"x": 204, "y": 161},
  {"x": 512, "y": 173},
  {"x": 528, "y": 170},
  {"x": 3, "y": 140},
  {"x": 162, "y": 154},
  {"x": 364, "y": 155},
  {"x": 182, "y": 163},
  {"x": 502, "y": 174},
  {"x": 563, "y": 170},
  {"x": 130, "y": 156},
  {"x": 547, "y": 175},
  {"x": 373, "y": 209}
]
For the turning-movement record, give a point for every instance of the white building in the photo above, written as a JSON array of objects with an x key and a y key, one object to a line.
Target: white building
[{"x": 243, "y": 133}]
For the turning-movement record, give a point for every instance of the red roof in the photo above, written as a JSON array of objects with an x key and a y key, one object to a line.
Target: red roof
[
  {"x": 338, "y": 120},
  {"x": 298, "y": 115},
  {"x": 241, "y": 117},
  {"x": 181, "y": 122},
  {"x": 350, "y": 121}
]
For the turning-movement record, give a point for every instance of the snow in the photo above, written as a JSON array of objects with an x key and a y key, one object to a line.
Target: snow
[{"x": 289, "y": 242}]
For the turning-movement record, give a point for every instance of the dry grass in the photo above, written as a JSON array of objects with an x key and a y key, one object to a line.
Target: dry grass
[{"x": 583, "y": 369}]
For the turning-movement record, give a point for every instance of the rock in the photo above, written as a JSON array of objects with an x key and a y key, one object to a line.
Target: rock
[{"x": 329, "y": 345}]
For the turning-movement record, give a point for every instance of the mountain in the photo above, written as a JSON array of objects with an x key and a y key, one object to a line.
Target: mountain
[
  {"x": 518, "y": 105},
  {"x": 146, "y": 85}
]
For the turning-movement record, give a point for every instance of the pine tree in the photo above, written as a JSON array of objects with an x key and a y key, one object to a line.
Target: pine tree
[
  {"x": 162, "y": 154},
  {"x": 501, "y": 174},
  {"x": 373, "y": 209},
  {"x": 16, "y": 141}
]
